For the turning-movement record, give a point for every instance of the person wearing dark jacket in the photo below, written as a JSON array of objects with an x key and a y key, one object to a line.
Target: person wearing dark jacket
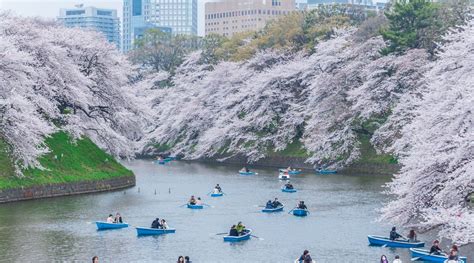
[
  {"x": 394, "y": 235},
  {"x": 269, "y": 204},
  {"x": 435, "y": 249},
  {"x": 301, "y": 205},
  {"x": 276, "y": 203},
  {"x": 233, "y": 231},
  {"x": 288, "y": 185},
  {"x": 156, "y": 223},
  {"x": 306, "y": 257}
]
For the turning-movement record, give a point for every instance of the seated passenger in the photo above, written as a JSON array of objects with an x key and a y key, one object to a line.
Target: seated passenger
[
  {"x": 240, "y": 228},
  {"x": 164, "y": 225},
  {"x": 218, "y": 188},
  {"x": 269, "y": 204},
  {"x": 288, "y": 185},
  {"x": 199, "y": 201},
  {"x": 110, "y": 219},
  {"x": 233, "y": 231},
  {"x": 156, "y": 223},
  {"x": 192, "y": 200},
  {"x": 412, "y": 236},
  {"x": 301, "y": 205},
  {"x": 118, "y": 219},
  {"x": 276, "y": 203}
]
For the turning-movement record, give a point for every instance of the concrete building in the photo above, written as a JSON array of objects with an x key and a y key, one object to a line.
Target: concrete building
[
  {"x": 171, "y": 16},
  {"x": 227, "y": 17},
  {"x": 102, "y": 20}
]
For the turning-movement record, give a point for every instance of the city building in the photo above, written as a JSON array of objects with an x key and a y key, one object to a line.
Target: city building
[
  {"x": 102, "y": 20},
  {"x": 227, "y": 17},
  {"x": 171, "y": 16}
]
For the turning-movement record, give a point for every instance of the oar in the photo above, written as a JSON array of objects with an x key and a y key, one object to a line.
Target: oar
[
  {"x": 384, "y": 245},
  {"x": 183, "y": 205},
  {"x": 415, "y": 259},
  {"x": 209, "y": 193},
  {"x": 289, "y": 212},
  {"x": 207, "y": 205},
  {"x": 220, "y": 234},
  {"x": 259, "y": 238}
]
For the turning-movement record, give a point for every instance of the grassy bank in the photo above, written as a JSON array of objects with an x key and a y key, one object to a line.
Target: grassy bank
[{"x": 67, "y": 162}]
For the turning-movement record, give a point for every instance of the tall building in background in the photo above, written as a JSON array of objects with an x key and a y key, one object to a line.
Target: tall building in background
[
  {"x": 171, "y": 16},
  {"x": 227, "y": 17},
  {"x": 102, "y": 20}
]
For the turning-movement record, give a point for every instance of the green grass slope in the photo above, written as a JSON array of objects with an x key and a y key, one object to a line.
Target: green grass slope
[{"x": 67, "y": 162}]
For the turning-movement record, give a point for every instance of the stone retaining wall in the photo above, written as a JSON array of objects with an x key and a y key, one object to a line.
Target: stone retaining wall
[{"x": 53, "y": 190}]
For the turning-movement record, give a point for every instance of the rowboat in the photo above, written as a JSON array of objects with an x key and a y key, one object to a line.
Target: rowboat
[
  {"x": 300, "y": 212},
  {"x": 245, "y": 236},
  {"x": 300, "y": 261},
  {"x": 195, "y": 206},
  {"x": 271, "y": 210},
  {"x": 101, "y": 225},
  {"x": 146, "y": 231},
  {"x": 292, "y": 172},
  {"x": 322, "y": 171},
  {"x": 386, "y": 242},
  {"x": 168, "y": 159},
  {"x": 284, "y": 176},
  {"x": 217, "y": 194},
  {"x": 246, "y": 173},
  {"x": 423, "y": 254},
  {"x": 286, "y": 190}
]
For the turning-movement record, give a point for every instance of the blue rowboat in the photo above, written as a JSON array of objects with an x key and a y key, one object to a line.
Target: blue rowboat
[
  {"x": 245, "y": 236},
  {"x": 286, "y": 190},
  {"x": 423, "y": 254},
  {"x": 284, "y": 176},
  {"x": 322, "y": 171},
  {"x": 294, "y": 172},
  {"x": 195, "y": 206},
  {"x": 300, "y": 212},
  {"x": 272, "y": 210},
  {"x": 101, "y": 225},
  {"x": 246, "y": 173},
  {"x": 146, "y": 231},
  {"x": 217, "y": 194},
  {"x": 160, "y": 162},
  {"x": 168, "y": 159},
  {"x": 386, "y": 242}
]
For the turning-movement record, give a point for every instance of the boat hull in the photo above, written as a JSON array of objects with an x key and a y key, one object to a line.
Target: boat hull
[
  {"x": 238, "y": 238},
  {"x": 273, "y": 210},
  {"x": 300, "y": 212},
  {"x": 195, "y": 206},
  {"x": 146, "y": 231},
  {"x": 326, "y": 171},
  {"x": 385, "y": 241},
  {"x": 217, "y": 194},
  {"x": 284, "y": 177},
  {"x": 246, "y": 173},
  {"x": 107, "y": 226},
  {"x": 288, "y": 190},
  {"x": 424, "y": 254}
]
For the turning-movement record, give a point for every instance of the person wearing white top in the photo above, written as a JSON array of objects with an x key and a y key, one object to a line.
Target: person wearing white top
[
  {"x": 164, "y": 225},
  {"x": 110, "y": 219},
  {"x": 198, "y": 201},
  {"x": 397, "y": 259}
]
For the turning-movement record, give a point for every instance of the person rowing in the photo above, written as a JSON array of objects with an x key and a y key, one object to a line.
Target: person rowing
[
  {"x": 245, "y": 170},
  {"x": 118, "y": 219},
  {"x": 301, "y": 205},
  {"x": 240, "y": 228},
  {"x": 269, "y": 205},
  {"x": 288, "y": 185},
  {"x": 156, "y": 223},
  {"x": 435, "y": 249},
  {"x": 192, "y": 200},
  {"x": 233, "y": 231},
  {"x": 394, "y": 235},
  {"x": 305, "y": 258},
  {"x": 276, "y": 203},
  {"x": 217, "y": 189}
]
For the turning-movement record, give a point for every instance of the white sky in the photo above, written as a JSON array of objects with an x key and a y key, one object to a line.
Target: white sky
[{"x": 50, "y": 8}]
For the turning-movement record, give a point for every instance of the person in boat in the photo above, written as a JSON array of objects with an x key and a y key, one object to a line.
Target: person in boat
[
  {"x": 199, "y": 201},
  {"x": 394, "y": 235},
  {"x": 383, "y": 259},
  {"x": 435, "y": 249},
  {"x": 269, "y": 204},
  {"x": 412, "y": 236},
  {"x": 192, "y": 200},
  {"x": 187, "y": 259},
  {"x": 118, "y": 219},
  {"x": 95, "y": 259},
  {"x": 240, "y": 228},
  {"x": 181, "y": 259},
  {"x": 245, "y": 170},
  {"x": 233, "y": 231},
  {"x": 217, "y": 189},
  {"x": 397, "y": 259},
  {"x": 276, "y": 203},
  {"x": 453, "y": 253},
  {"x": 110, "y": 219},
  {"x": 164, "y": 225},
  {"x": 301, "y": 205},
  {"x": 306, "y": 257},
  {"x": 156, "y": 223},
  {"x": 288, "y": 186}
]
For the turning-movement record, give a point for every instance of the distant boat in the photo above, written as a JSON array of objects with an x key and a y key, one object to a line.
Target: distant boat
[
  {"x": 245, "y": 236},
  {"x": 146, "y": 231},
  {"x": 284, "y": 176},
  {"x": 217, "y": 194},
  {"x": 300, "y": 212},
  {"x": 195, "y": 206},
  {"x": 246, "y": 173},
  {"x": 423, "y": 254},
  {"x": 386, "y": 242},
  {"x": 272, "y": 210},
  {"x": 292, "y": 172},
  {"x": 324, "y": 171},
  {"x": 301, "y": 261},
  {"x": 101, "y": 225},
  {"x": 286, "y": 190},
  {"x": 168, "y": 159},
  {"x": 161, "y": 161}
]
